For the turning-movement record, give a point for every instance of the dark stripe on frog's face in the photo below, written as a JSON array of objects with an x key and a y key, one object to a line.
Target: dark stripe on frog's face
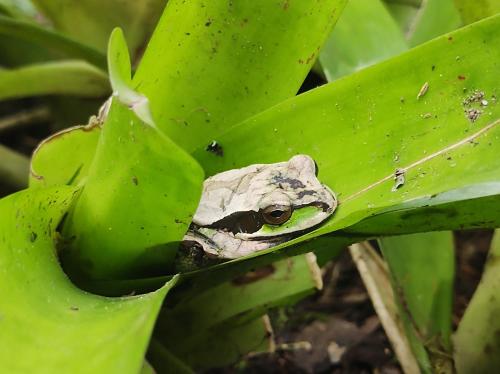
[
  {"x": 245, "y": 222},
  {"x": 250, "y": 221}
]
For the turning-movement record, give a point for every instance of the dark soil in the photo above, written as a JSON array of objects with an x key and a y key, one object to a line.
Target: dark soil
[{"x": 338, "y": 331}]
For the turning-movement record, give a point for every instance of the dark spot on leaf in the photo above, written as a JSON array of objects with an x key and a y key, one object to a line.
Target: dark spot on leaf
[
  {"x": 461, "y": 77},
  {"x": 254, "y": 276},
  {"x": 135, "y": 181},
  {"x": 215, "y": 148},
  {"x": 33, "y": 236},
  {"x": 74, "y": 308},
  {"x": 208, "y": 23}
]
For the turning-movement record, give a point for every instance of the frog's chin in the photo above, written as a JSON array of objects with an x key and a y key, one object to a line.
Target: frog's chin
[{"x": 223, "y": 244}]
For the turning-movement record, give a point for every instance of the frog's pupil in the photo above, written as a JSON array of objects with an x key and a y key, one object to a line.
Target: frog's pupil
[{"x": 277, "y": 213}]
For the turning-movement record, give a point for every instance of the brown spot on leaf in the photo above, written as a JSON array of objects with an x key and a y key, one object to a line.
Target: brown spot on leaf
[{"x": 254, "y": 276}]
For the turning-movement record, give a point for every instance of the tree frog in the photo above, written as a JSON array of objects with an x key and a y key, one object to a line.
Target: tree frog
[{"x": 245, "y": 210}]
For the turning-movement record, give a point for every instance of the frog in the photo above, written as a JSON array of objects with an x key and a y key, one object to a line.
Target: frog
[{"x": 254, "y": 208}]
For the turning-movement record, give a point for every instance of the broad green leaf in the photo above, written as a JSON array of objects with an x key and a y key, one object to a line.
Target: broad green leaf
[
  {"x": 229, "y": 342},
  {"x": 424, "y": 20},
  {"x": 201, "y": 317},
  {"x": 422, "y": 268},
  {"x": 139, "y": 195},
  {"x": 403, "y": 12},
  {"x": 477, "y": 340},
  {"x": 22, "y": 9},
  {"x": 210, "y": 65},
  {"x": 77, "y": 144},
  {"x": 91, "y": 21},
  {"x": 47, "y": 325},
  {"x": 120, "y": 75},
  {"x": 364, "y": 35},
  {"x": 147, "y": 368},
  {"x": 164, "y": 361},
  {"x": 77, "y": 78},
  {"x": 474, "y": 10},
  {"x": 362, "y": 128},
  {"x": 434, "y": 18},
  {"x": 416, "y": 257},
  {"x": 14, "y": 168},
  {"x": 50, "y": 42}
]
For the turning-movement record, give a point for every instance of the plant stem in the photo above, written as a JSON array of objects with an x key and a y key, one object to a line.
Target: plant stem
[
  {"x": 23, "y": 118},
  {"x": 14, "y": 168}
]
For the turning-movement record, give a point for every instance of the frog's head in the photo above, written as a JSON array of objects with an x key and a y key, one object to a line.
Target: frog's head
[{"x": 245, "y": 210}]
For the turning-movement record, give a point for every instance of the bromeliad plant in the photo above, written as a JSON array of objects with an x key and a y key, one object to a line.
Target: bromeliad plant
[{"x": 408, "y": 145}]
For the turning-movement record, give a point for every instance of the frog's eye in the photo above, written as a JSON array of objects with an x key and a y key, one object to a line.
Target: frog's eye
[{"x": 276, "y": 214}]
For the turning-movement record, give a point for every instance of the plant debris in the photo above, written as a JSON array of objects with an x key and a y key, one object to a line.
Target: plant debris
[
  {"x": 472, "y": 114},
  {"x": 399, "y": 178},
  {"x": 423, "y": 90},
  {"x": 472, "y": 105},
  {"x": 475, "y": 97}
]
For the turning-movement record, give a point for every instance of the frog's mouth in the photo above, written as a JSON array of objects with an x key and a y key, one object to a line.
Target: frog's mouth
[{"x": 224, "y": 244}]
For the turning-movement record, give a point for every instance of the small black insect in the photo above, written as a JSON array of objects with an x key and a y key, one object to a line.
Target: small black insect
[{"x": 215, "y": 148}]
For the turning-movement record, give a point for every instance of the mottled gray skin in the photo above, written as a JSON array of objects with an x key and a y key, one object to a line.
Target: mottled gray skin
[{"x": 246, "y": 192}]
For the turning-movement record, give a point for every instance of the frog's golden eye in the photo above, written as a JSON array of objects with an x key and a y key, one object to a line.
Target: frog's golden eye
[{"x": 276, "y": 214}]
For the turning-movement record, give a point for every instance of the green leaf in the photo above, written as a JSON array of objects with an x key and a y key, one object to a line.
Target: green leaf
[
  {"x": 77, "y": 144},
  {"x": 196, "y": 330},
  {"x": 91, "y": 21},
  {"x": 208, "y": 67},
  {"x": 41, "y": 309},
  {"x": 424, "y": 20},
  {"x": 22, "y": 9},
  {"x": 422, "y": 268},
  {"x": 477, "y": 340},
  {"x": 77, "y": 78},
  {"x": 164, "y": 361},
  {"x": 13, "y": 168},
  {"x": 362, "y": 128},
  {"x": 56, "y": 44},
  {"x": 120, "y": 75},
  {"x": 139, "y": 195},
  {"x": 364, "y": 35},
  {"x": 227, "y": 343},
  {"x": 434, "y": 18},
  {"x": 474, "y": 10}
]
